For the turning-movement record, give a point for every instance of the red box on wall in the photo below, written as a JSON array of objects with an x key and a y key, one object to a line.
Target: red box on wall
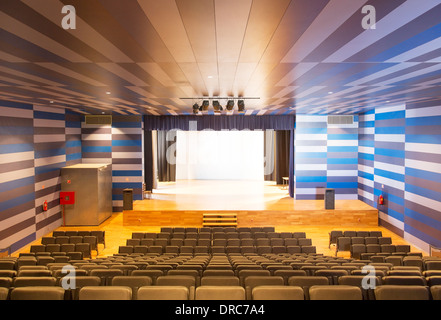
[{"x": 67, "y": 197}]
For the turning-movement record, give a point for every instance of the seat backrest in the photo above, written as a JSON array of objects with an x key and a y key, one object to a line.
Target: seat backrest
[
  {"x": 331, "y": 274},
  {"x": 34, "y": 273},
  {"x": 105, "y": 293},
  {"x": 134, "y": 282},
  {"x": 4, "y": 293},
  {"x": 277, "y": 293},
  {"x": 404, "y": 280},
  {"x": 436, "y": 292},
  {"x": 178, "y": 280},
  {"x": 37, "y": 293},
  {"x": 220, "y": 293},
  {"x": 433, "y": 265},
  {"x": 340, "y": 292},
  {"x": 254, "y": 281},
  {"x": 163, "y": 293},
  {"x": 243, "y": 274},
  {"x": 34, "y": 281},
  {"x": 401, "y": 292},
  {"x": 106, "y": 275},
  {"x": 305, "y": 282},
  {"x": 220, "y": 281}
]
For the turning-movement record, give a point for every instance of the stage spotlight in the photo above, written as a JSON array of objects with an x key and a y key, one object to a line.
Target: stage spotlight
[
  {"x": 217, "y": 107},
  {"x": 195, "y": 108},
  {"x": 205, "y": 105},
  {"x": 230, "y": 105},
  {"x": 241, "y": 105}
]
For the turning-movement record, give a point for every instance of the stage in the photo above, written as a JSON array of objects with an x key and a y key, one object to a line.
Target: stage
[{"x": 256, "y": 203}]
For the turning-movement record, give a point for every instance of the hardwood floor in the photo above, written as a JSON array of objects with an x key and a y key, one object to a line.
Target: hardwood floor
[
  {"x": 174, "y": 204},
  {"x": 117, "y": 233}
]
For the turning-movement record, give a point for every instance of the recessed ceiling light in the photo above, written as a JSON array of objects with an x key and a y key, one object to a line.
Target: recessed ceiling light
[
  {"x": 330, "y": 92},
  {"x": 51, "y": 101},
  {"x": 210, "y": 77},
  {"x": 108, "y": 92}
]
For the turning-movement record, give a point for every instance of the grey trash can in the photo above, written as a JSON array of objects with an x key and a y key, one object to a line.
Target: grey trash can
[
  {"x": 128, "y": 199},
  {"x": 329, "y": 199}
]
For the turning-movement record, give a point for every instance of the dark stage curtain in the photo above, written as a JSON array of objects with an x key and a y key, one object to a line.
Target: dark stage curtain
[
  {"x": 148, "y": 161},
  {"x": 291, "y": 162},
  {"x": 282, "y": 155},
  {"x": 166, "y": 167}
]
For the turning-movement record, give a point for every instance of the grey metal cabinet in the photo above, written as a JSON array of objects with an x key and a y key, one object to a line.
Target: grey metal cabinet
[{"x": 92, "y": 184}]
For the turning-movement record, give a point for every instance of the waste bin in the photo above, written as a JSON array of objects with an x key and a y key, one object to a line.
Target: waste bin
[
  {"x": 128, "y": 199},
  {"x": 329, "y": 199}
]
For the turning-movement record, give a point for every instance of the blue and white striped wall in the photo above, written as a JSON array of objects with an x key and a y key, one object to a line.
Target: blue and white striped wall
[
  {"x": 422, "y": 205},
  {"x": 35, "y": 143},
  {"x": 127, "y": 158},
  {"x": 32, "y": 152},
  {"x": 366, "y": 155},
  {"x": 119, "y": 144},
  {"x": 17, "y": 175},
  {"x": 400, "y": 158},
  {"x": 326, "y": 156},
  {"x": 50, "y": 157}
]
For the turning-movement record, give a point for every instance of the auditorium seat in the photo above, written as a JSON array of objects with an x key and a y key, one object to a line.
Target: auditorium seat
[
  {"x": 340, "y": 292},
  {"x": 361, "y": 281},
  {"x": 220, "y": 281},
  {"x": 34, "y": 282},
  {"x": 401, "y": 292},
  {"x": 305, "y": 282},
  {"x": 332, "y": 275},
  {"x": 134, "y": 282},
  {"x": 4, "y": 293},
  {"x": 37, "y": 293},
  {"x": 404, "y": 280},
  {"x": 277, "y": 293},
  {"x": 220, "y": 293},
  {"x": 105, "y": 293},
  {"x": 106, "y": 275},
  {"x": 436, "y": 292},
  {"x": 251, "y": 282},
  {"x": 286, "y": 274}
]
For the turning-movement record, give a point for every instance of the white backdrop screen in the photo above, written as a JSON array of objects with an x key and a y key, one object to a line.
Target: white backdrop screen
[{"x": 220, "y": 155}]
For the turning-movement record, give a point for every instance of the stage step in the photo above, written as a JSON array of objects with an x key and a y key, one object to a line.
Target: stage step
[{"x": 219, "y": 219}]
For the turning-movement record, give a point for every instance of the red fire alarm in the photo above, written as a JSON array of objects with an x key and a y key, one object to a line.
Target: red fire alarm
[{"x": 67, "y": 197}]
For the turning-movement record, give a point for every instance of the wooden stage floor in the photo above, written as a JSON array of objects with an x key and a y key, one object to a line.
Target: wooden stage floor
[{"x": 256, "y": 203}]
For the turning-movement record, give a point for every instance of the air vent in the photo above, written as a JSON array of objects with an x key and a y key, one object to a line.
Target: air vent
[
  {"x": 99, "y": 120},
  {"x": 340, "y": 119}
]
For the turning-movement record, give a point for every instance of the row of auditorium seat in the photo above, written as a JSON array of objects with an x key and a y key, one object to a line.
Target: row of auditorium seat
[
  {"x": 266, "y": 292},
  {"x": 216, "y": 229},
  {"x": 111, "y": 278},
  {"x": 176, "y": 241},
  {"x": 99, "y": 234},
  {"x": 334, "y": 234},
  {"x": 217, "y": 235},
  {"x": 68, "y": 249},
  {"x": 204, "y": 250},
  {"x": 173, "y": 261},
  {"x": 220, "y": 242}
]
